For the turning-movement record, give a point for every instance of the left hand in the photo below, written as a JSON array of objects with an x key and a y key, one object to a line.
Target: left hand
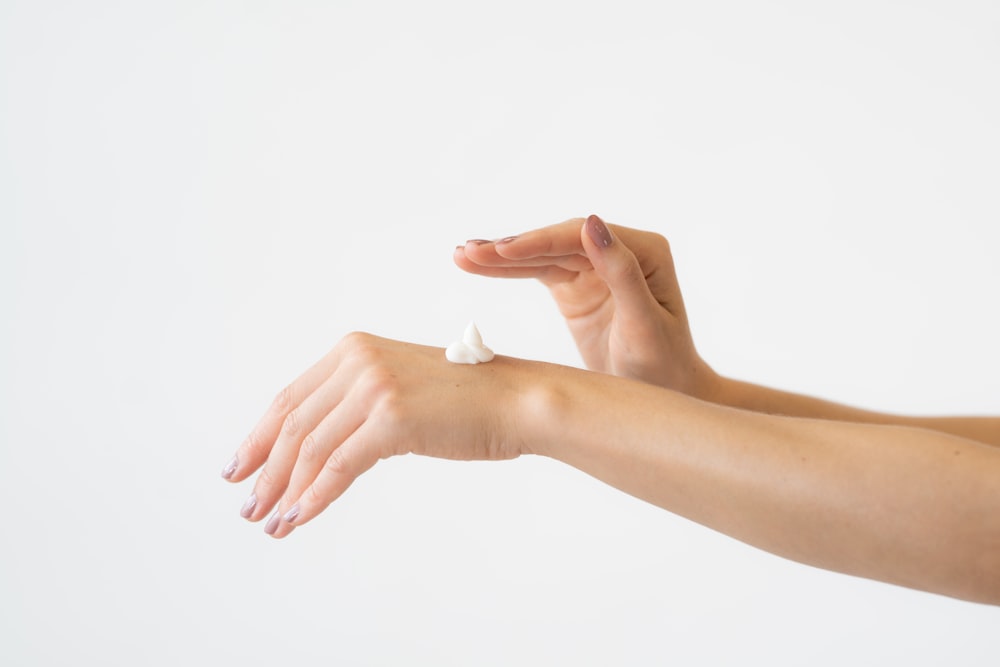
[{"x": 368, "y": 399}]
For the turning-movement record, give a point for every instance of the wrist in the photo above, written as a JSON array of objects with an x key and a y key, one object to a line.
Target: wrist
[
  {"x": 561, "y": 411},
  {"x": 706, "y": 384},
  {"x": 543, "y": 396}
]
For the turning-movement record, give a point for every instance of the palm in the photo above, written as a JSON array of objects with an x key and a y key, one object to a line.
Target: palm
[
  {"x": 612, "y": 340},
  {"x": 586, "y": 304}
]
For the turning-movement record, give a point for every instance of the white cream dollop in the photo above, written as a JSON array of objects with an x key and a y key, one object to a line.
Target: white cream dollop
[{"x": 469, "y": 350}]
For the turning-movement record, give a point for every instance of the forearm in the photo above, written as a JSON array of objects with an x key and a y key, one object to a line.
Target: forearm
[
  {"x": 901, "y": 505},
  {"x": 748, "y": 396}
]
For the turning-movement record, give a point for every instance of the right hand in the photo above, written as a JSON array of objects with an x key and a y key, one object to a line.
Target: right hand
[{"x": 616, "y": 288}]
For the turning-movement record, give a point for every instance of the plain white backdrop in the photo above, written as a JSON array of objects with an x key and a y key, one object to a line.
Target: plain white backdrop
[{"x": 198, "y": 199}]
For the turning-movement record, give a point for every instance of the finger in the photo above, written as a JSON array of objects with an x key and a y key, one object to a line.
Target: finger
[
  {"x": 487, "y": 253},
  {"x": 617, "y": 266},
  {"x": 559, "y": 239},
  {"x": 652, "y": 251},
  {"x": 295, "y": 429},
  {"x": 254, "y": 450},
  {"x": 318, "y": 447},
  {"x": 346, "y": 463},
  {"x": 548, "y": 274},
  {"x": 485, "y": 256}
]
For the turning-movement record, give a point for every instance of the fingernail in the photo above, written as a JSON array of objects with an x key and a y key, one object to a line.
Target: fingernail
[
  {"x": 272, "y": 524},
  {"x": 230, "y": 468},
  {"x": 249, "y": 506},
  {"x": 478, "y": 241},
  {"x": 598, "y": 232},
  {"x": 292, "y": 514},
  {"x": 507, "y": 240}
]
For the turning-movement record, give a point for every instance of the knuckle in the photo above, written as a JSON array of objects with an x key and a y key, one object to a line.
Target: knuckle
[
  {"x": 356, "y": 339},
  {"x": 659, "y": 241},
  {"x": 290, "y": 427},
  {"x": 337, "y": 463},
  {"x": 627, "y": 270},
  {"x": 312, "y": 497},
  {"x": 310, "y": 448},
  {"x": 360, "y": 348},
  {"x": 392, "y": 410},
  {"x": 283, "y": 400},
  {"x": 266, "y": 480},
  {"x": 254, "y": 443},
  {"x": 357, "y": 336},
  {"x": 380, "y": 381},
  {"x": 367, "y": 356}
]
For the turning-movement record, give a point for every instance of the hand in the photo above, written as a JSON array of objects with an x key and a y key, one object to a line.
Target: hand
[
  {"x": 369, "y": 399},
  {"x": 616, "y": 288}
]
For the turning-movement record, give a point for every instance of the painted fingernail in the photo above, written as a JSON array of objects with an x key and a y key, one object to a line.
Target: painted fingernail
[
  {"x": 478, "y": 241},
  {"x": 272, "y": 524},
  {"x": 292, "y": 514},
  {"x": 598, "y": 232},
  {"x": 230, "y": 468},
  {"x": 249, "y": 506},
  {"x": 507, "y": 239}
]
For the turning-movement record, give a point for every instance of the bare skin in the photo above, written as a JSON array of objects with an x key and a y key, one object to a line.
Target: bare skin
[
  {"x": 624, "y": 308},
  {"x": 911, "y": 506}
]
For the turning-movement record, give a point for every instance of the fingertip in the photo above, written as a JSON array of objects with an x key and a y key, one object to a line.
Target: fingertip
[
  {"x": 475, "y": 254},
  {"x": 297, "y": 516},
  {"x": 284, "y": 531},
  {"x": 229, "y": 470},
  {"x": 292, "y": 514},
  {"x": 249, "y": 506},
  {"x": 271, "y": 527},
  {"x": 462, "y": 260},
  {"x": 471, "y": 244},
  {"x": 598, "y": 232}
]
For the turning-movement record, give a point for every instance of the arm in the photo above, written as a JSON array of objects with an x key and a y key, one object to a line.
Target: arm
[
  {"x": 617, "y": 289},
  {"x": 758, "y": 398},
  {"x": 907, "y": 506}
]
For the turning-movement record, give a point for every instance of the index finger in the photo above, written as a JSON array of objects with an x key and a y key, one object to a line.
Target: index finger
[{"x": 552, "y": 241}]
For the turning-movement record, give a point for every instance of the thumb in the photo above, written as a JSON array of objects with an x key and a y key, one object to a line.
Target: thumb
[{"x": 617, "y": 266}]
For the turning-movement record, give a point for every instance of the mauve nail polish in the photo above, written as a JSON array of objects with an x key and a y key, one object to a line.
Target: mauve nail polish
[
  {"x": 479, "y": 241},
  {"x": 230, "y": 468},
  {"x": 249, "y": 506},
  {"x": 507, "y": 239},
  {"x": 598, "y": 232},
  {"x": 292, "y": 514},
  {"x": 272, "y": 524}
]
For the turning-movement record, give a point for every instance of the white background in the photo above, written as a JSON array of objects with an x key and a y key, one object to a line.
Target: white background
[{"x": 198, "y": 199}]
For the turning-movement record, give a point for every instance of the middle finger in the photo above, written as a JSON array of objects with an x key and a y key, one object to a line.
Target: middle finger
[{"x": 273, "y": 478}]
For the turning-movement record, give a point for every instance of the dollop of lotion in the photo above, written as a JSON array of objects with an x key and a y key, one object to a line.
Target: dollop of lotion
[{"x": 469, "y": 350}]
